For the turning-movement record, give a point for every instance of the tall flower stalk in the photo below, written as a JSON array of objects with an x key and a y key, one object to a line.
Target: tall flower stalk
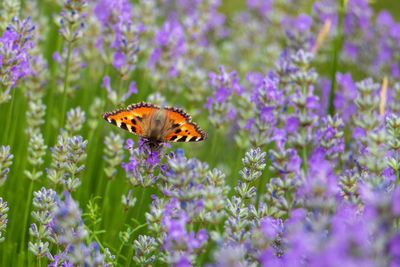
[{"x": 71, "y": 29}]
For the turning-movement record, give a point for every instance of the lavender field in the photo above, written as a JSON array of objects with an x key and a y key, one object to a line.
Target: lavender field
[{"x": 291, "y": 156}]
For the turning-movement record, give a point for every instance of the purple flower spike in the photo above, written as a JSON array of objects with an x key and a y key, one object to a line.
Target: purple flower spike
[
  {"x": 170, "y": 47},
  {"x": 15, "y": 46}
]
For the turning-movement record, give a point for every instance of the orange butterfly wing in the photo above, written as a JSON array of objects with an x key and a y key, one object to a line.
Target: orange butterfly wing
[
  {"x": 183, "y": 129},
  {"x": 131, "y": 119}
]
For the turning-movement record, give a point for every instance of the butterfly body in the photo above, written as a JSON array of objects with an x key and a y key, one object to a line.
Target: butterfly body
[{"x": 156, "y": 124}]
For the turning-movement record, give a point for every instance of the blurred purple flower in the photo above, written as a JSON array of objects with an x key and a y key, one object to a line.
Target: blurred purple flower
[
  {"x": 292, "y": 124},
  {"x": 169, "y": 48},
  {"x": 224, "y": 86},
  {"x": 345, "y": 95},
  {"x": 15, "y": 46}
]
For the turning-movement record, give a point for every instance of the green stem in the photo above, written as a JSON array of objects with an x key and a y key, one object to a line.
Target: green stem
[
  {"x": 140, "y": 204},
  {"x": 305, "y": 158},
  {"x": 105, "y": 202},
  {"x": 66, "y": 76},
  {"x": 9, "y": 118},
  {"x": 27, "y": 211}
]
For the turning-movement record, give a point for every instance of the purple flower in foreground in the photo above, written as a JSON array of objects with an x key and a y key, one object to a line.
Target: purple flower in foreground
[
  {"x": 178, "y": 243},
  {"x": 71, "y": 233},
  {"x": 144, "y": 163},
  {"x": 44, "y": 202},
  {"x": 185, "y": 180}
]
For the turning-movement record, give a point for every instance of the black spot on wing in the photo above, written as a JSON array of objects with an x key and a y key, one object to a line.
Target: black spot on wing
[
  {"x": 175, "y": 125},
  {"x": 133, "y": 129},
  {"x": 113, "y": 121},
  {"x": 139, "y": 118},
  {"x": 173, "y": 138},
  {"x": 123, "y": 126},
  {"x": 194, "y": 138},
  {"x": 133, "y": 121},
  {"x": 178, "y": 131},
  {"x": 182, "y": 139}
]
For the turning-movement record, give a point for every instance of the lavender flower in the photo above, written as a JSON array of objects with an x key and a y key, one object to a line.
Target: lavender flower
[
  {"x": 155, "y": 215},
  {"x": 44, "y": 202},
  {"x": 36, "y": 152},
  {"x": 76, "y": 156},
  {"x": 394, "y": 105},
  {"x": 113, "y": 17},
  {"x": 349, "y": 187},
  {"x": 214, "y": 195},
  {"x": 68, "y": 155},
  {"x": 8, "y": 10},
  {"x": 286, "y": 164},
  {"x": 183, "y": 181},
  {"x": 371, "y": 135},
  {"x": 393, "y": 130},
  {"x": 15, "y": 46},
  {"x": 72, "y": 20},
  {"x": 56, "y": 172},
  {"x": 319, "y": 189},
  {"x": 6, "y": 159},
  {"x": 231, "y": 256},
  {"x": 75, "y": 120},
  {"x": 144, "y": 164},
  {"x": 268, "y": 101},
  {"x": 71, "y": 232},
  {"x": 254, "y": 164},
  {"x": 3, "y": 218},
  {"x": 178, "y": 244},
  {"x": 119, "y": 43},
  {"x": 331, "y": 137},
  {"x": 35, "y": 117},
  {"x": 114, "y": 153},
  {"x": 128, "y": 201},
  {"x": 145, "y": 248},
  {"x": 304, "y": 101},
  {"x": 224, "y": 86},
  {"x": 344, "y": 98},
  {"x": 237, "y": 224},
  {"x": 298, "y": 32},
  {"x": 166, "y": 58}
]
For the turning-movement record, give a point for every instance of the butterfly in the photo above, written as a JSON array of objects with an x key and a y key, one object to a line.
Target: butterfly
[{"x": 156, "y": 124}]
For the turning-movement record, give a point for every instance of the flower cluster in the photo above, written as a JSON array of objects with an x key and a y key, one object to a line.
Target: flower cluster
[
  {"x": 44, "y": 202},
  {"x": 3, "y": 218},
  {"x": 15, "y": 45},
  {"x": 144, "y": 163},
  {"x": 71, "y": 233},
  {"x": 6, "y": 159}
]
